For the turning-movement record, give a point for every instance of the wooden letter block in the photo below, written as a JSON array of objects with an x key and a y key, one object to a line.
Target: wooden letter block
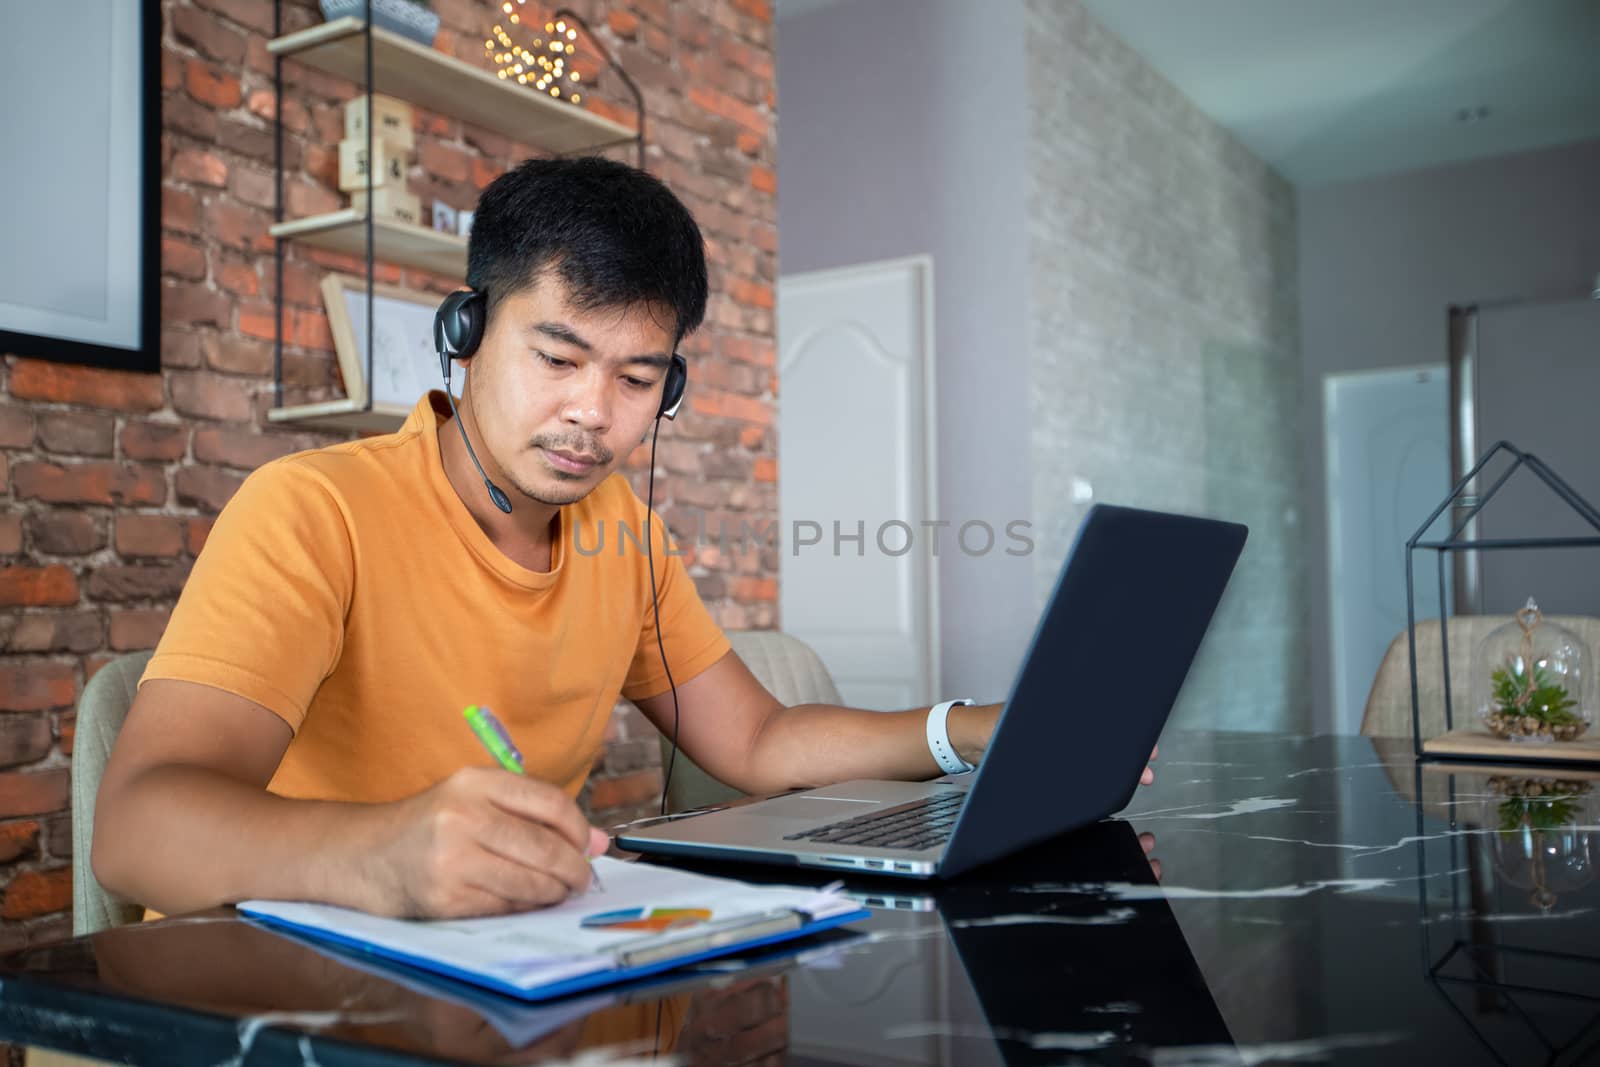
[
  {"x": 391, "y": 203},
  {"x": 391, "y": 120},
  {"x": 391, "y": 168}
]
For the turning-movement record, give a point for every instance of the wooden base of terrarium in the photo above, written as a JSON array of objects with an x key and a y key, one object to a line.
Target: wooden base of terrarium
[
  {"x": 1477, "y": 741},
  {"x": 1574, "y": 772}
]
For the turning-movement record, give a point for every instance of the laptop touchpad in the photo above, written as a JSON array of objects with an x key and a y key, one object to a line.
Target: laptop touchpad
[{"x": 804, "y": 807}]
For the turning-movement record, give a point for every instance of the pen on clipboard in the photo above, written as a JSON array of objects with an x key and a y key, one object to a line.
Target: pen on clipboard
[
  {"x": 706, "y": 937},
  {"x": 494, "y": 737}
]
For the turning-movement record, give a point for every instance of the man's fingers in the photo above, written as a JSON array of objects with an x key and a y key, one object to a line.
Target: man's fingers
[
  {"x": 1154, "y": 752},
  {"x": 537, "y": 848},
  {"x": 464, "y": 902},
  {"x": 519, "y": 888},
  {"x": 541, "y": 802},
  {"x": 1148, "y": 777}
]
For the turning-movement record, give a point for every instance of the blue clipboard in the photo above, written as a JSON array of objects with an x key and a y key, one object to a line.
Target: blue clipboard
[{"x": 680, "y": 952}]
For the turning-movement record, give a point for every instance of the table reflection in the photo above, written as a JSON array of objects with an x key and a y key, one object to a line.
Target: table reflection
[
  {"x": 280, "y": 989},
  {"x": 1520, "y": 860}
]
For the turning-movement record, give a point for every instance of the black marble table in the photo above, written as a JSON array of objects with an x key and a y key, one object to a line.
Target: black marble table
[{"x": 1320, "y": 900}]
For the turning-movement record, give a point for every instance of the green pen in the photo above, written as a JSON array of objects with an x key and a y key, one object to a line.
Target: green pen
[
  {"x": 497, "y": 740},
  {"x": 494, "y": 737}
]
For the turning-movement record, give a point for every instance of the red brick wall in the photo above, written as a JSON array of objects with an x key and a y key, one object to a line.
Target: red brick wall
[{"x": 110, "y": 480}]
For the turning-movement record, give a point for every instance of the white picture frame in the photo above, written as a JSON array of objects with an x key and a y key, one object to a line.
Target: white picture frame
[
  {"x": 405, "y": 365},
  {"x": 80, "y": 278},
  {"x": 444, "y": 217}
]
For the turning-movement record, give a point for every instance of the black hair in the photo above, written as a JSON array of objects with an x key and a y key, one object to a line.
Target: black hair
[{"x": 616, "y": 236}]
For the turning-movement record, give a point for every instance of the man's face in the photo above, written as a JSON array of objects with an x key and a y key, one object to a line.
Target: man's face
[{"x": 561, "y": 396}]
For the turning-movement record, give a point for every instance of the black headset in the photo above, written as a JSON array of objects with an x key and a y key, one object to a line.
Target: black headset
[{"x": 457, "y": 331}]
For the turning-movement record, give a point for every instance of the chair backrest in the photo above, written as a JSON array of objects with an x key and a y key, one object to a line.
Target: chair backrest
[
  {"x": 101, "y": 709},
  {"x": 790, "y": 670},
  {"x": 1388, "y": 711}
]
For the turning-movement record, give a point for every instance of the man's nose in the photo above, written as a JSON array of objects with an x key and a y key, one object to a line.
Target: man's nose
[{"x": 589, "y": 403}]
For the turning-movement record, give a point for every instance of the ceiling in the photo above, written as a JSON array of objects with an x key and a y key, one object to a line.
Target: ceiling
[{"x": 1327, "y": 90}]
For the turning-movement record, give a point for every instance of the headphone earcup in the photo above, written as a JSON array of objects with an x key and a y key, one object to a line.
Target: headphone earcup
[
  {"x": 458, "y": 326},
  {"x": 672, "y": 389}
]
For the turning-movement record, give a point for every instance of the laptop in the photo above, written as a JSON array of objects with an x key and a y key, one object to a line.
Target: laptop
[{"x": 1108, "y": 657}]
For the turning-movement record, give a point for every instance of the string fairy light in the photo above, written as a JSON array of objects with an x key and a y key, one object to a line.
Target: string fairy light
[{"x": 542, "y": 64}]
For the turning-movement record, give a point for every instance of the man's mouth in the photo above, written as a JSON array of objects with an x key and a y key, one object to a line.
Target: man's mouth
[{"x": 571, "y": 462}]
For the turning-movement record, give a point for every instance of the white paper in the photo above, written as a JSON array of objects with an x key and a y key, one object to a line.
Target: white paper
[{"x": 539, "y": 948}]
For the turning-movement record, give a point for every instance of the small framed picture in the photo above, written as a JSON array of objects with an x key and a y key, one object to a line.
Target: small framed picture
[
  {"x": 444, "y": 217},
  {"x": 464, "y": 223},
  {"x": 405, "y": 364}
]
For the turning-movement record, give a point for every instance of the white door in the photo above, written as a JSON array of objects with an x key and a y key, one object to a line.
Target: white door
[
  {"x": 1388, "y": 453},
  {"x": 855, "y": 363}
]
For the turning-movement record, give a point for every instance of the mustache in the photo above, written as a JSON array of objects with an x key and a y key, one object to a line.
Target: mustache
[{"x": 586, "y": 447}]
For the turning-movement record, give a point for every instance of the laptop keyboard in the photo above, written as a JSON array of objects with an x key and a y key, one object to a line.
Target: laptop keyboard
[{"x": 920, "y": 824}]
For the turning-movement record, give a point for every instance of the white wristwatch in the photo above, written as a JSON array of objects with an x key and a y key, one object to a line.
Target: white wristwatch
[{"x": 939, "y": 738}]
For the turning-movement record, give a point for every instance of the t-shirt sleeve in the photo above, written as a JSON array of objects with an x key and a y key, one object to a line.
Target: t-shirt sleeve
[
  {"x": 262, "y": 614},
  {"x": 692, "y": 639}
]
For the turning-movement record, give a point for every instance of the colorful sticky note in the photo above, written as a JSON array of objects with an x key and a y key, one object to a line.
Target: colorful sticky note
[{"x": 652, "y": 919}]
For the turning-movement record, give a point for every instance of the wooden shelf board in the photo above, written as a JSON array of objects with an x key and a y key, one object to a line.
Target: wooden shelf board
[
  {"x": 424, "y": 75},
  {"x": 394, "y": 242},
  {"x": 1471, "y": 741},
  {"x": 343, "y": 414}
]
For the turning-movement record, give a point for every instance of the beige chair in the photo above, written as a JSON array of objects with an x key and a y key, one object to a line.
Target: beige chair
[
  {"x": 101, "y": 709},
  {"x": 791, "y": 672},
  {"x": 1388, "y": 712}
]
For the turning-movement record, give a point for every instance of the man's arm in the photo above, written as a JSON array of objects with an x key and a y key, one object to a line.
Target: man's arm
[
  {"x": 184, "y": 821},
  {"x": 742, "y": 735}
]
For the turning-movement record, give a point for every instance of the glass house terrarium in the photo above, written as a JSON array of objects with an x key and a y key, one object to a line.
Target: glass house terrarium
[
  {"x": 1530, "y": 680},
  {"x": 1524, "y": 691}
]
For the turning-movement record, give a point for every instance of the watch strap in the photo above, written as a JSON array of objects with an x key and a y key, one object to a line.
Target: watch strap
[{"x": 944, "y": 753}]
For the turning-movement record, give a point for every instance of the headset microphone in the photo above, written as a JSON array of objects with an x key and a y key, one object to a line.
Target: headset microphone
[
  {"x": 457, "y": 329},
  {"x": 501, "y": 501}
]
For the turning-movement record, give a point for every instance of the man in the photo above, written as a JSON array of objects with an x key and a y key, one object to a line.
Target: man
[{"x": 298, "y": 733}]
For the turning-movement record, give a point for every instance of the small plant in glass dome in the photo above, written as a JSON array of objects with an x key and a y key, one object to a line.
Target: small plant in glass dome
[{"x": 1529, "y": 679}]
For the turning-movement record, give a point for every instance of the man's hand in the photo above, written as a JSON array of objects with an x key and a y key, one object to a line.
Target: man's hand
[
  {"x": 970, "y": 727},
  {"x": 481, "y": 842},
  {"x": 1149, "y": 775},
  {"x": 185, "y": 821}
]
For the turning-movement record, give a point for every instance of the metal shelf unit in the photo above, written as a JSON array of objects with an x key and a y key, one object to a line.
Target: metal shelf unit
[{"x": 374, "y": 57}]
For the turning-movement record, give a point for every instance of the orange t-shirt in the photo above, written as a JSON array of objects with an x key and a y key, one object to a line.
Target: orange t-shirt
[{"x": 349, "y": 591}]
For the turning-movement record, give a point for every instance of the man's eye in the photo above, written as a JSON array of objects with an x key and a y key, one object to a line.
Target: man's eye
[
  {"x": 639, "y": 383},
  {"x": 554, "y": 361}
]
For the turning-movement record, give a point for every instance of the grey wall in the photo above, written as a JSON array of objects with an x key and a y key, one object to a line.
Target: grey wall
[
  {"x": 1114, "y": 287},
  {"x": 1382, "y": 259},
  {"x": 1164, "y": 368},
  {"x": 886, "y": 153}
]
